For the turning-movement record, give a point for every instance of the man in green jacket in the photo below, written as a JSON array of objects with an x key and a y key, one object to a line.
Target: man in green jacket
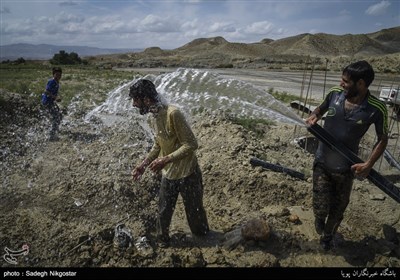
[{"x": 173, "y": 153}]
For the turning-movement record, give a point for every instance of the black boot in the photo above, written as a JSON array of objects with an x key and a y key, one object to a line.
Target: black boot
[
  {"x": 319, "y": 225},
  {"x": 326, "y": 241},
  {"x": 163, "y": 241}
]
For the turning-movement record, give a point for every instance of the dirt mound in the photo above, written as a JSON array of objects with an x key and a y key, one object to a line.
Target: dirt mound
[
  {"x": 65, "y": 199},
  {"x": 202, "y": 44}
]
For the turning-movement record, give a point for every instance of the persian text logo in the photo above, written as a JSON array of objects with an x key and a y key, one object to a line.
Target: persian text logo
[{"x": 11, "y": 255}]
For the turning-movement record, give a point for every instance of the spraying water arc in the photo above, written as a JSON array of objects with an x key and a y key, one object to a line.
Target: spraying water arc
[{"x": 195, "y": 91}]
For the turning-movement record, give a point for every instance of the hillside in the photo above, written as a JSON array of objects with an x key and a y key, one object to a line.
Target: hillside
[
  {"x": 382, "y": 47},
  {"x": 331, "y": 45}
]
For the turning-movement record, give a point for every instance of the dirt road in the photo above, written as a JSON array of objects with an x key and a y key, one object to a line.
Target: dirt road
[{"x": 293, "y": 82}]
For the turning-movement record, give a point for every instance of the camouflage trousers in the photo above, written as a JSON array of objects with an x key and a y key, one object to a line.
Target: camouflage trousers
[
  {"x": 331, "y": 195},
  {"x": 191, "y": 190}
]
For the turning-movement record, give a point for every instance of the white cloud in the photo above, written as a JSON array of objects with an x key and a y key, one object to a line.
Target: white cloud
[
  {"x": 64, "y": 18},
  {"x": 153, "y": 23},
  {"x": 190, "y": 25},
  {"x": 174, "y": 23},
  {"x": 260, "y": 28},
  {"x": 15, "y": 29},
  {"x": 222, "y": 27},
  {"x": 108, "y": 26},
  {"x": 190, "y": 34},
  {"x": 280, "y": 31},
  {"x": 378, "y": 9},
  {"x": 43, "y": 19}
]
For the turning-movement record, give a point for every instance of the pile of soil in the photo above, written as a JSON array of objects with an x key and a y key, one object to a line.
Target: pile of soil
[{"x": 64, "y": 199}]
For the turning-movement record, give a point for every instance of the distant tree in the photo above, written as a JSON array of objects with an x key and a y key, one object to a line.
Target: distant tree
[
  {"x": 74, "y": 57},
  {"x": 63, "y": 58},
  {"x": 20, "y": 60}
]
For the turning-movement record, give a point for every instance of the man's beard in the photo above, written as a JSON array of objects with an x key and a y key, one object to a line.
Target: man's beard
[
  {"x": 352, "y": 92},
  {"x": 153, "y": 108}
]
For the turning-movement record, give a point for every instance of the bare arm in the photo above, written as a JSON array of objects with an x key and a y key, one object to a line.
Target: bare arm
[
  {"x": 138, "y": 171},
  {"x": 363, "y": 169},
  {"x": 314, "y": 117}
]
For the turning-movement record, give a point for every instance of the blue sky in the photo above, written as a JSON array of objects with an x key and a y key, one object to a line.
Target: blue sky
[{"x": 171, "y": 24}]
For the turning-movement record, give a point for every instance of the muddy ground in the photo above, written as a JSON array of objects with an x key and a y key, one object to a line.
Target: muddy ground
[{"x": 64, "y": 199}]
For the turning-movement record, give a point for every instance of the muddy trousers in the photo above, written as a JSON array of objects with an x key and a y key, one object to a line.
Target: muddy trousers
[
  {"x": 55, "y": 118},
  {"x": 331, "y": 195},
  {"x": 191, "y": 190}
]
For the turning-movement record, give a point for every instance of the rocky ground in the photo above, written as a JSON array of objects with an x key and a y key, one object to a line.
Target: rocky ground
[{"x": 64, "y": 199}]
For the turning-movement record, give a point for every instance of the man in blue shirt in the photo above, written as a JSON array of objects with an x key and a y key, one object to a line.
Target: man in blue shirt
[
  {"x": 49, "y": 99},
  {"x": 351, "y": 109}
]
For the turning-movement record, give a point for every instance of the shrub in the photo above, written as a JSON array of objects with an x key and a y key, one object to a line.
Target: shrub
[
  {"x": 64, "y": 58},
  {"x": 255, "y": 125}
]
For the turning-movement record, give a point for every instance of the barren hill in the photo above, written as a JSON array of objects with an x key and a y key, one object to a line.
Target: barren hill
[
  {"x": 203, "y": 44},
  {"x": 382, "y": 47},
  {"x": 388, "y": 37},
  {"x": 331, "y": 45}
]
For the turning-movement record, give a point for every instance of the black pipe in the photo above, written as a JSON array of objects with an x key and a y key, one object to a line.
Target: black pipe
[
  {"x": 276, "y": 167},
  {"x": 377, "y": 179}
]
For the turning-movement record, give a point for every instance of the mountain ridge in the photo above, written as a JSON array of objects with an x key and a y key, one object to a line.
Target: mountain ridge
[
  {"x": 291, "y": 53},
  {"x": 46, "y": 51},
  {"x": 381, "y": 47}
]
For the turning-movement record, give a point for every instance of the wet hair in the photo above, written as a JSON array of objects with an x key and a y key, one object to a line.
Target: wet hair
[
  {"x": 143, "y": 88},
  {"x": 360, "y": 70},
  {"x": 56, "y": 69}
]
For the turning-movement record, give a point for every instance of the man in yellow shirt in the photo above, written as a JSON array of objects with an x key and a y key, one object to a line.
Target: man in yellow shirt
[{"x": 173, "y": 153}]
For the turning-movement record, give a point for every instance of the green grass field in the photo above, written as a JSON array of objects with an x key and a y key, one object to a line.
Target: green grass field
[
  {"x": 89, "y": 82},
  {"x": 30, "y": 79}
]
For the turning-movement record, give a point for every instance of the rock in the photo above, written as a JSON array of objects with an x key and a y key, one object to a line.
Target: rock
[
  {"x": 232, "y": 239},
  {"x": 294, "y": 219},
  {"x": 194, "y": 258},
  {"x": 390, "y": 234},
  {"x": 256, "y": 229},
  {"x": 377, "y": 197},
  {"x": 284, "y": 212}
]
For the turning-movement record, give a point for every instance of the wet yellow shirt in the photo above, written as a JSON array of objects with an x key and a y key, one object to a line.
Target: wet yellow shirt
[{"x": 173, "y": 138}]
